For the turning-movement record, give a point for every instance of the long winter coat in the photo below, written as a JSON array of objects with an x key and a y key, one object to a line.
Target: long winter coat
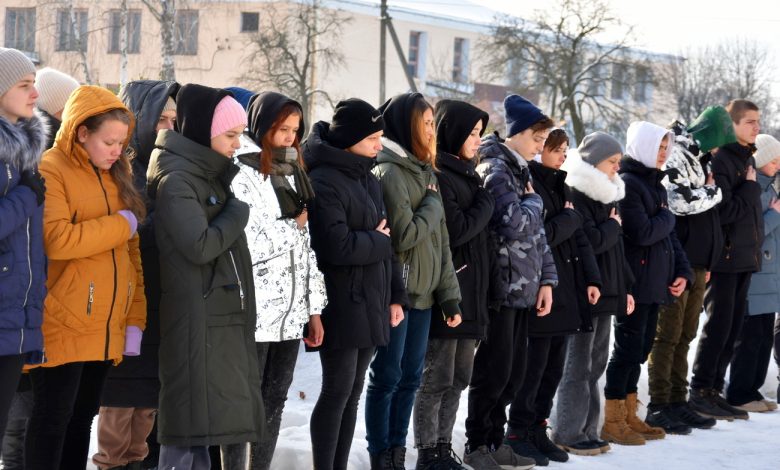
[
  {"x": 694, "y": 204},
  {"x": 574, "y": 260},
  {"x": 516, "y": 226},
  {"x": 288, "y": 286},
  {"x": 740, "y": 210},
  {"x": 22, "y": 261},
  {"x": 361, "y": 277},
  {"x": 135, "y": 382},
  {"x": 764, "y": 294},
  {"x": 210, "y": 383},
  {"x": 594, "y": 195}
]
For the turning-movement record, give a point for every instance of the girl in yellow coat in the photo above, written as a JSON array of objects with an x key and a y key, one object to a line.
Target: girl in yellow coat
[{"x": 95, "y": 310}]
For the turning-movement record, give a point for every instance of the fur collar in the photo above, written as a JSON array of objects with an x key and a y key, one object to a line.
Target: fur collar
[
  {"x": 22, "y": 144},
  {"x": 595, "y": 184}
]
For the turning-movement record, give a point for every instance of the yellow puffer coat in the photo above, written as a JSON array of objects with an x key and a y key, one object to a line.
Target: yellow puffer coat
[{"x": 95, "y": 280}]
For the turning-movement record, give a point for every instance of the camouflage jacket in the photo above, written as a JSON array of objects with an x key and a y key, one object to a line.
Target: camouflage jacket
[{"x": 517, "y": 227}]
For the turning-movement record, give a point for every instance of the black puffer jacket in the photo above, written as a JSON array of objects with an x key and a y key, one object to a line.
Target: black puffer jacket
[
  {"x": 135, "y": 382},
  {"x": 362, "y": 279},
  {"x": 573, "y": 255},
  {"x": 740, "y": 210}
]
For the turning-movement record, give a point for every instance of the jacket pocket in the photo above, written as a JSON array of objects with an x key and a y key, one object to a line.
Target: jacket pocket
[{"x": 224, "y": 296}]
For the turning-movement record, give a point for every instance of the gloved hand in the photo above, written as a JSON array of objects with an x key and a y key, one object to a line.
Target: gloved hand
[
  {"x": 130, "y": 220},
  {"x": 133, "y": 336},
  {"x": 33, "y": 180}
]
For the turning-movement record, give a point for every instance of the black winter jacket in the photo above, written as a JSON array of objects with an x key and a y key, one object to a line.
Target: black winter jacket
[
  {"x": 740, "y": 210},
  {"x": 652, "y": 248},
  {"x": 362, "y": 278},
  {"x": 574, "y": 260}
]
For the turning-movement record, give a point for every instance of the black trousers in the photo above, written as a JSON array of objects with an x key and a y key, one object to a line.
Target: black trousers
[
  {"x": 334, "y": 415},
  {"x": 10, "y": 371},
  {"x": 534, "y": 399},
  {"x": 777, "y": 353},
  {"x": 66, "y": 399},
  {"x": 752, "y": 352},
  {"x": 726, "y": 303},
  {"x": 501, "y": 356},
  {"x": 634, "y": 336}
]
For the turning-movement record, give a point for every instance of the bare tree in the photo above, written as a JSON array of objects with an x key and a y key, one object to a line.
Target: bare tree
[
  {"x": 164, "y": 11},
  {"x": 569, "y": 67},
  {"x": 296, "y": 43}
]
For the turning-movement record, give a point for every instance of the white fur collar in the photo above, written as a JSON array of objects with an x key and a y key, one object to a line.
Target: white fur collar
[{"x": 595, "y": 184}]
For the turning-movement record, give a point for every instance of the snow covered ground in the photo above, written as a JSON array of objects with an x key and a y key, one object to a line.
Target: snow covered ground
[{"x": 752, "y": 444}]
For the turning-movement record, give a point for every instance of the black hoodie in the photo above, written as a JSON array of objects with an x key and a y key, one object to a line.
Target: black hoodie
[
  {"x": 262, "y": 112},
  {"x": 195, "y": 105},
  {"x": 397, "y": 112}
]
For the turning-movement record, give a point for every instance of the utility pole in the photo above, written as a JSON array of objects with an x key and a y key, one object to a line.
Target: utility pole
[{"x": 382, "y": 51}]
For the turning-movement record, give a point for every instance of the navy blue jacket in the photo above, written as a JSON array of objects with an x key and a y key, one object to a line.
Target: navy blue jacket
[{"x": 22, "y": 259}]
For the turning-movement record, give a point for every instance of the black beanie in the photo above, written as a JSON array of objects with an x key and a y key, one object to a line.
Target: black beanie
[
  {"x": 195, "y": 105},
  {"x": 353, "y": 121}
]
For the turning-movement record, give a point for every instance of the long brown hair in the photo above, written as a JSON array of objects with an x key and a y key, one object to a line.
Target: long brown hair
[
  {"x": 121, "y": 171},
  {"x": 267, "y": 155},
  {"x": 425, "y": 151}
]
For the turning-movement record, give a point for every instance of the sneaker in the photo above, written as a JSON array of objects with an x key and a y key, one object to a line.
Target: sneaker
[
  {"x": 538, "y": 435},
  {"x": 521, "y": 445},
  {"x": 756, "y": 406},
  {"x": 582, "y": 448},
  {"x": 448, "y": 458},
  {"x": 481, "y": 459},
  {"x": 507, "y": 458},
  {"x": 723, "y": 404},
  {"x": 603, "y": 446},
  {"x": 662, "y": 417},
  {"x": 686, "y": 415},
  {"x": 770, "y": 404},
  {"x": 701, "y": 401}
]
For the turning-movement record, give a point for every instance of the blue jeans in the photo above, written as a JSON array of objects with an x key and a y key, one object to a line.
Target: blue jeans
[{"x": 394, "y": 376}]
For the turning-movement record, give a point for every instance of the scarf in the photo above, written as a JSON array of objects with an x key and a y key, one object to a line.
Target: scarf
[{"x": 292, "y": 202}]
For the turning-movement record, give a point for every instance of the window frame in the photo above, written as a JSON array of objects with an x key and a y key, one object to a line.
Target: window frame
[{"x": 11, "y": 39}]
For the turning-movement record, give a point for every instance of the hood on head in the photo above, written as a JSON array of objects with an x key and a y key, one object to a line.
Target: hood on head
[
  {"x": 454, "y": 122},
  {"x": 643, "y": 140},
  {"x": 262, "y": 112},
  {"x": 317, "y": 151},
  {"x": 397, "y": 113},
  {"x": 146, "y": 100},
  {"x": 87, "y": 101},
  {"x": 195, "y": 106}
]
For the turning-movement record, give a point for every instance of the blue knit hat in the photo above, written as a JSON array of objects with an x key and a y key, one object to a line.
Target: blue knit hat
[
  {"x": 520, "y": 114},
  {"x": 241, "y": 95}
]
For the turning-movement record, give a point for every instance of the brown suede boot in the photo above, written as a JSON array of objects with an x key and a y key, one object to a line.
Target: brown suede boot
[
  {"x": 615, "y": 427},
  {"x": 637, "y": 425}
]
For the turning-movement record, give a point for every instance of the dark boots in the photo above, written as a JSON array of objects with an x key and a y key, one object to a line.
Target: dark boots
[
  {"x": 538, "y": 435},
  {"x": 382, "y": 460}
]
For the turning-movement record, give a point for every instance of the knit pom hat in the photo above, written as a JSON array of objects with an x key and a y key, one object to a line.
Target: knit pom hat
[
  {"x": 54, "y": 88},
  {"x": 228, "y": 114},
  {"x": 597, "y": 147},
  {"x": 353, "y": 121},
  {"x": 13, "y": 66},
  {"x": 520, "y": 114},
  {"x": 767, "y": 149},
  {"x": 170, "y": 105}
]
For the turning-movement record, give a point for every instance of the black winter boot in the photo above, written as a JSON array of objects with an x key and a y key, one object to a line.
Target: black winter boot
[
  {"x": 448, "y": 457},
  {"x": 399, "y": 457},
  {"x": 685, "y": 414},
  {"x": 429, "y": 459},
  {"x": 382, "y": 460},
  {"x": 661, "y": 416},
  {"x": 702, "y": 402},
  {"x": 538, "y": 434},
  {"x": 520, "y": 442}
]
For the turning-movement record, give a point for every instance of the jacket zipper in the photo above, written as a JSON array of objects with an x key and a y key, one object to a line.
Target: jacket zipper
[
  {"x": 90, "y": 298},
  {"x": 292, "y": 296},
  {"x": 113, "y": 261},
  {"x": 29, "y": 284},
  {"x": 238, "y": 279},
  {"x": 129, "y": 289},
  {"x": 7, "y": 183}
]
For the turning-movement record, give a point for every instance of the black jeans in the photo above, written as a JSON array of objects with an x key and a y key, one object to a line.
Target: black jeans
[
  {"x": 10, "y": 371},
  {"x": 777, "y": 354},
  {"x": 18, "y": 416},
  {"x": 66, "y": 399},
  {"x": 752, "y": 353},
  {"x": 634, "y": 335},
  {"x": 726, "y": 304},
  {"x": 534, "y": 399},
  {"x": 334, "y": 415},
  {"x": 501, "y": 356},
  {"x": 277, "y": 363}
]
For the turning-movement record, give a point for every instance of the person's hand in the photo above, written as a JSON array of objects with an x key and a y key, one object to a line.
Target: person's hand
[
  {"x": 774, "y": 204},
  {"x": 433, "y": 188},
  {"x": 383, "y": 228},
  {"x": 678, "y": 286},
  {"x": 452, "y": 322},
  {"x": 529, "y": 189},
  {"x": 33, "y": 180},
  {"x": 751, "y": 174},
  {"x": 613, "y": 214},
  {"x": 544, "y": 301},
  {"x": 302, "y": 218},
  {"x": 131, "y": 220},
  {"x": 316, "y": 332},
  {"x": 707, "y": 276},
  {"x": 396, "y": 315},
  {"x": 630, "y": 305},
  {"x": 710, "y": 180},
  {"x": 568, "y": 205},
  {"x": 594, "y": 294}
]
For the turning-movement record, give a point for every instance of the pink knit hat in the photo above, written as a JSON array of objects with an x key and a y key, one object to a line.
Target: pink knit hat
[{"x": 228, "y": 114}]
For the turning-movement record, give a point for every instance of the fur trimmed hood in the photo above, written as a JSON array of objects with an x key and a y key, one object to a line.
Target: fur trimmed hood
[
  {"x": 22, "y": 144},
  {"x": 592, "y": 182}
]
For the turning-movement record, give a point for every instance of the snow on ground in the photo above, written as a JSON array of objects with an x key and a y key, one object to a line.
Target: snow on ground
[{"x": 752, "y": 444}]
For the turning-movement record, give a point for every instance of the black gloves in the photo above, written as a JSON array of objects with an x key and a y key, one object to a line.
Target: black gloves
[{"x": 33, "y": 180}]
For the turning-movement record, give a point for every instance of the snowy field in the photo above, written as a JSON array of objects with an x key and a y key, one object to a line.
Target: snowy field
[{"x": 752, "y": 444}]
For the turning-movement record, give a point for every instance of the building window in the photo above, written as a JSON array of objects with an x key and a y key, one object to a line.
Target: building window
[
  {"x": 460, "y": 60},
  {"x": 413, "y": 59},
  {"x": 250, "y": 22},
  {"x": 618, "y": 90},
  {"x": 20, "y": 28},
  {"x": 133, "y": 32},
  {"x": 644, "y": 82},
  {"x": 67, "y": 37},
  {"x": 186, "y": 32}
]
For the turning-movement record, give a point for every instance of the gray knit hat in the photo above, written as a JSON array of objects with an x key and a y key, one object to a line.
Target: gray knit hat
[
  {"x": 54, "y": 89},
  {"x": 597, "y": 147},
  {"x": 13, "y": 66}
]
